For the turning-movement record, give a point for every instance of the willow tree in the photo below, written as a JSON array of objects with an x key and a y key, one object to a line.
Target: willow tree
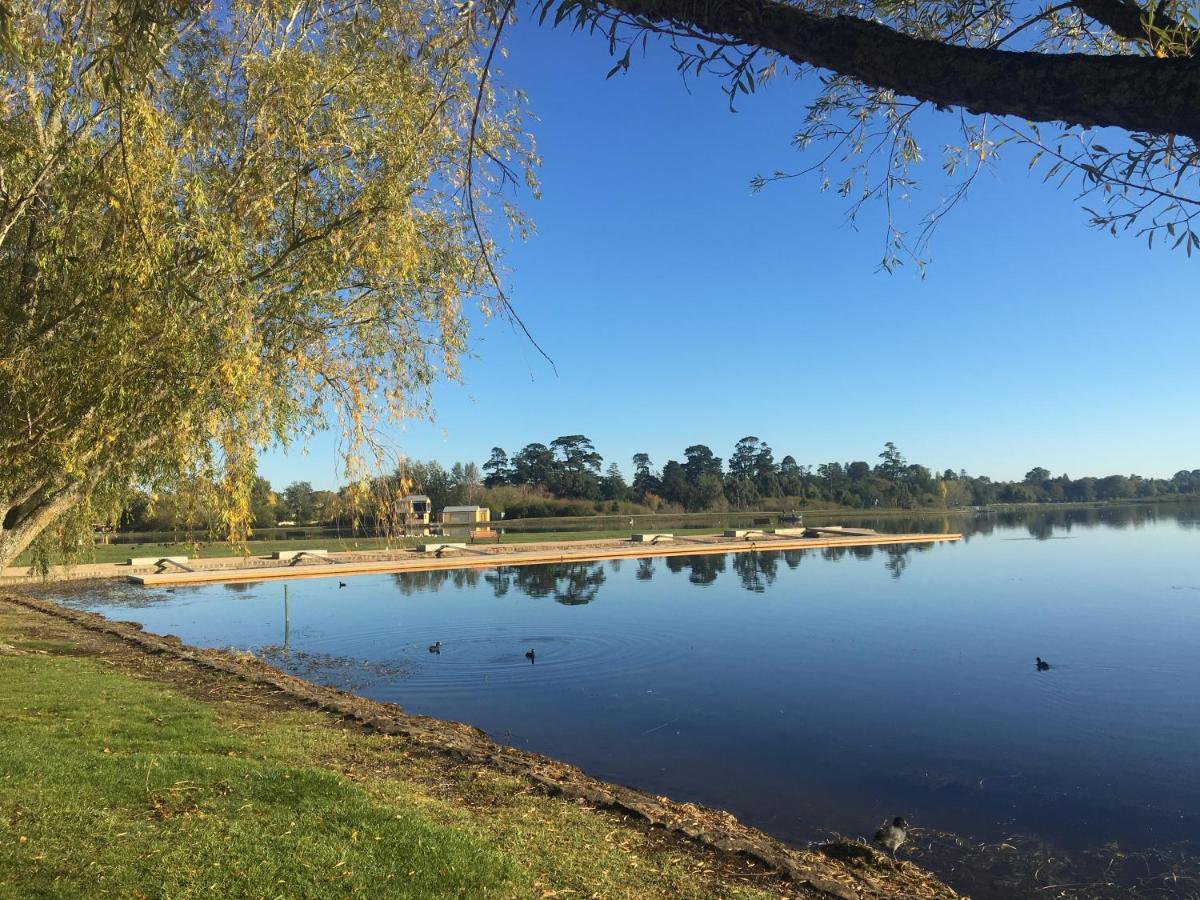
[{"x": 230, "y": 223}]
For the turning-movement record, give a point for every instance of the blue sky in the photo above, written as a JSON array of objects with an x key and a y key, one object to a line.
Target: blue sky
[{"x": 680, "y": 307}]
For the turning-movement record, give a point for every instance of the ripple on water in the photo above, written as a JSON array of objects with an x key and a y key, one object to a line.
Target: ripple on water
[{"x": 473, "y": 654}]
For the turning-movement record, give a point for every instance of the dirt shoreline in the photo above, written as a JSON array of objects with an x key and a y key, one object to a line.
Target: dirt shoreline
[{"x": 842, "y": 870}]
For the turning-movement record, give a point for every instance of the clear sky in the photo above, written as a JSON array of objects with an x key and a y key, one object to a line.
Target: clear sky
[{"x": 680, "y": 307}]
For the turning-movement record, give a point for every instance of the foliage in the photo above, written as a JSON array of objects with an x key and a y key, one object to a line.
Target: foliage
[
  {"x": 250, "y": 223},
  {"x": 568, "y": 467},
  {"x": 893, "y": 482},
  {"x": 753, "y": 480}
]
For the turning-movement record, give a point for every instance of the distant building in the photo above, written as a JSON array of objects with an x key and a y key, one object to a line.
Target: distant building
[
  {"x": 466, "y": 515},
  {"x": 415, "y": 509}
]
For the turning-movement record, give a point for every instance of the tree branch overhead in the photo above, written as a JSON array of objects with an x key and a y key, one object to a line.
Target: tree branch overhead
[{"x": 1137, "y": 93}]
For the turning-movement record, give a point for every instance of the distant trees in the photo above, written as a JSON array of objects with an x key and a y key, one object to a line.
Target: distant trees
[
  {"x": 189, "y": 508},
  {"x": 498, "y": 469},
  {"x": 263, "y": 503},
  {"x": 575, "y": 467},
  {"x": 645, "y": 482},
  {"x": 569, "y": 468},
  {"x": 298, "y": 502},
  {"x": 534, "y": 464},
  {"x": 791, "y": 477},
  {"x": 613, "y": 486},
  {"x": 564, "y": 478}
]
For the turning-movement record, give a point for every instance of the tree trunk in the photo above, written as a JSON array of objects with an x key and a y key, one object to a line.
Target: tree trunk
[{"x": 21, "y": 524}]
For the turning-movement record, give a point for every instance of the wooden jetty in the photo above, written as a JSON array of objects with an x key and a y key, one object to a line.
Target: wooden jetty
[{"x": 582, "y": 552}]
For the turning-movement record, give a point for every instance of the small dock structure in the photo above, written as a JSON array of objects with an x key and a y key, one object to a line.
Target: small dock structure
[
  {"x": 840, "y": 530},
  {"x": 298, "y": 556},
  {"x": 162, "y": 562}
]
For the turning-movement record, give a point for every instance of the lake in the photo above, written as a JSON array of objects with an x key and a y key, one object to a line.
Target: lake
[{"x": 808, "y": 692}]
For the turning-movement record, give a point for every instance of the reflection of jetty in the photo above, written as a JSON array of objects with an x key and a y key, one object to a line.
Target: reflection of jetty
[{"x": 532, "y": 555}]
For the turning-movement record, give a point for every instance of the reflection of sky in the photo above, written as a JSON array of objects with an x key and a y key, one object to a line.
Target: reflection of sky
[{"x": 822, "y": 688}]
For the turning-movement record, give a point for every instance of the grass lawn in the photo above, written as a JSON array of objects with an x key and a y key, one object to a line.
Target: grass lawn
[{"x": 117, "y": 779}]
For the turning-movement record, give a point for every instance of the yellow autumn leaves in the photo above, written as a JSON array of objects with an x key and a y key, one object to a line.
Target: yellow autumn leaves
[{"x": 261, "y": 235}]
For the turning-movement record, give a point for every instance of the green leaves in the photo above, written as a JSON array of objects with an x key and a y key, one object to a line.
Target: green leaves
[{"x": 621, "y": 66}]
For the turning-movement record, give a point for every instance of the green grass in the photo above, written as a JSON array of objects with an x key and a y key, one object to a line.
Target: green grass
[{"x": 113, "y": 785}]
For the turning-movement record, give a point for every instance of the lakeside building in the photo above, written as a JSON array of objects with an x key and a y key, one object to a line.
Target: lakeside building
[
  {"x": 415, "y": 509},
  {"x": 466, "y": 515}
]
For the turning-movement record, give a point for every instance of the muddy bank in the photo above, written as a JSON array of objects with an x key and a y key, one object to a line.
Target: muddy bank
[{"x": 841, "y": 869}]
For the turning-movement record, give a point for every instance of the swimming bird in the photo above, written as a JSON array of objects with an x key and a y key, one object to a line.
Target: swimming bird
[
  {"x": 170, "y": 590},
  {"x": 890, "y": 837},
  {"x": 530, "y": 655},
  {"x": 435, "y": 647},
  {"x": 1042, "y": 665},
  {"x": 341, "y": 584}
]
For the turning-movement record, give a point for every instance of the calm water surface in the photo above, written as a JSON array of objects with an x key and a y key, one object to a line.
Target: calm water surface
[{"x": 806, "y": 691}]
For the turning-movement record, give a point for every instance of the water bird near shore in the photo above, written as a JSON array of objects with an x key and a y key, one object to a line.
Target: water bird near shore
[
  {"x": 891, "y": 836},
  {"x": 530, "y": 655},
  {"x": 341, "y": 584},
  {"x": 1042, "y": 665},
  {"x": 435, "y": 647}
]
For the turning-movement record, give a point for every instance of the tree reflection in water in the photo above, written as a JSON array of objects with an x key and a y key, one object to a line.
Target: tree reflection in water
[
  {"x": 702, "y": 569},
  {"x": 409, "y": 583},
  {"x": 756, "y": 570},
  {"x": 791, "y": 558},
  {"x": 572, "y": 584},
  {"x": 645, "y": 569},
  {"x": 575, "y": 584}
]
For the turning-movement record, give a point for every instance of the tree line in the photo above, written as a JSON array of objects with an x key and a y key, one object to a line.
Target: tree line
[
  {"x": 567, "y": 477},
  {"x": 569, "y": 467}
]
